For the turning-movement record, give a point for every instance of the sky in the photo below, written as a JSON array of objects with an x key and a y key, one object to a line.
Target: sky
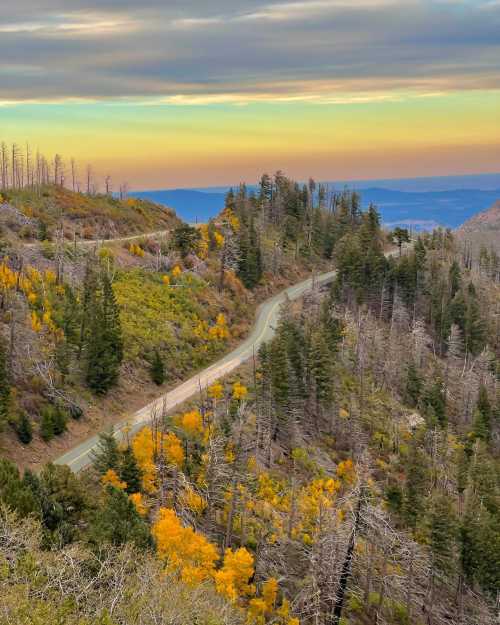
[{"x": 177, "y": 93}]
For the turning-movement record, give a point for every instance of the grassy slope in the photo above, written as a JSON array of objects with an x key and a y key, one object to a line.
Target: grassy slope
[{"x": 98, "y": 216}]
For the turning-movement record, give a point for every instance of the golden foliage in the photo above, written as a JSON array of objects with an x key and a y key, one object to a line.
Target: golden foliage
[
  {"x": 216, "y": 391},
  {"x": 147, "y": 448},
  {"x": 346, "y": 471},
  {"x": 232, "y": 580},
  {"x": 193, "y": 501},
  {"x": 239, "y": 391},
  {"x": 138, "y": 501},
  {"x": 110, "y": 478},
  {"x": 184, "y": 550},
  {"x": 191, "y": 422},
  {"x": 136, "y": 250}
]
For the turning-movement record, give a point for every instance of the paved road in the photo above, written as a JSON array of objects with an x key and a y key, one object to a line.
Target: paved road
[{"x": 267, "y": 318}]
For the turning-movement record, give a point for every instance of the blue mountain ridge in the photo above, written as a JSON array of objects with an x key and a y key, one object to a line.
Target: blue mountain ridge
[{"x": 418, "y": 209}]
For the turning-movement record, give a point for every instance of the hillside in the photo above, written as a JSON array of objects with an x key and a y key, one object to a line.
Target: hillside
[
  {"x": 176, "y": 300},
  {"x": 480, "y": 239},
  {"x": 36, "y": 214},
  {"x": 348, "y": 476}
]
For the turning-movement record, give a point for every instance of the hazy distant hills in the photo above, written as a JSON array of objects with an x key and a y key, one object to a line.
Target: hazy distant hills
[
  {"x": 189, "y": 204},
  {"x": 422, "y": 203}
]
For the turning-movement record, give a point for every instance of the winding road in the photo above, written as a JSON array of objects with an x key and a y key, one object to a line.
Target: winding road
[{"x": 268, "y": 313}]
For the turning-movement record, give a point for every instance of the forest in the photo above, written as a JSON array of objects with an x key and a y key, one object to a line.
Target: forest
[{"x": 347, "y": 475}]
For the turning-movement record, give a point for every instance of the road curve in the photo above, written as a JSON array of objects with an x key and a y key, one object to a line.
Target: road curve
[{"x": 267, "y": 317}]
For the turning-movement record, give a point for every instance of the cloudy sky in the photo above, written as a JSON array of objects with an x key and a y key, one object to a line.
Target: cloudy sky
[{"x": 169, "y": 93}]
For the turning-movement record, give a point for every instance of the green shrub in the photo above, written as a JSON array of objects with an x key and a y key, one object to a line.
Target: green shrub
[{"x": 54, "y": 420}]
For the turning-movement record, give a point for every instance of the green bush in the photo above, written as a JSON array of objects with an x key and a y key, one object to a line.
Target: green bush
[{"x": 53, "y": 423}]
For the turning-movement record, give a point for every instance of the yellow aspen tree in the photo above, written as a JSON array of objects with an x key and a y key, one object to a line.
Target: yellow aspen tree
[
  {"x": 110, "y": 478},
  {"x": 232, "y": 580},
  {"x": 184, "y": 551},
  {"x": 138, "y": 501},
  {"x": 239, "y": 391}
]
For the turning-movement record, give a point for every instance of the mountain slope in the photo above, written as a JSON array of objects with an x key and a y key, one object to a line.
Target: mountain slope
[{"x": 482, "y": 230}]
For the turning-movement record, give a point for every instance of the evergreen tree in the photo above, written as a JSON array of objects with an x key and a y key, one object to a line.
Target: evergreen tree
[
  {"x": 4, "y": 385},
  {"x": 455, "y": 278},
  {"x": 400, "y": 236},
  {"x": 413, "y": 385},
  {"x": 24, "y": 429},
  {"x": 320, "y": 366},
  {"x": 118, "y": 522},
  {"x": 416, "y": 481},
  {"x": 474, "y": 330},
  {"x": 442, "y": 527},
  {"x": 47, "y": 425},
  {"x": 482, "y": 416},
  {"x": 435, "y": 403},
  {"x": 105, "y": 347},
  {"x": 59, "y": 419},
  {"x": 107, "y": 454},
  {"x": 15, "y": 494},
  {"x": 129, "y": 471},
  {"x": 185, "y": 239},
  {"x": 157, "y": 369}
]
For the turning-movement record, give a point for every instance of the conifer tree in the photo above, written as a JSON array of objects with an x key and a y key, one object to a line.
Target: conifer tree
[
  {"x": 106, "y": 455},
  {"x": 442, "y": 527},
  {"x": 105, "y": 347},
  {"x": 4, "y": 385},
  {"x": 47, "y": 425},
  {"x": 157, "y": 369},
  {"x": 24, "y": 429},
  {"x": 416, "y": 480},
  {"x": 482, "y": 416},
  {"x": 320, "y": 366},
  {"x": 413, "y": 385},
  {"x": 130, "y": 472},
  {"x": 118, "y": 522}
]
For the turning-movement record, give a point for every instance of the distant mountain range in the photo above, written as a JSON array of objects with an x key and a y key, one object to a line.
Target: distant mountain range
[{"x": 420, "y": 203}]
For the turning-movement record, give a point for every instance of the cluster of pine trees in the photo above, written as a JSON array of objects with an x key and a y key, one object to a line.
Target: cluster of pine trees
[{"x": 282, "y": 220}]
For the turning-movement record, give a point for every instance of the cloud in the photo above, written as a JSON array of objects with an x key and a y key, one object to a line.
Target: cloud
[{"x": 238, "y": 51}]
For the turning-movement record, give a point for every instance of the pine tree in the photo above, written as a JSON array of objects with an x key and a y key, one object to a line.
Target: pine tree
[
  {"x": 435, "y": 403},
  {"x": 320, "y": 367},
  {"x": 105, "y": 346},
  {"x": 413, "y": 385},
  {"x": 107, "y": 454},
  {"x": 442, "y": 528},
  {"x": 455, "y": 278},
  {"x": 47, "y": 425},
  {"x": 130, "y": 472},
  {"x": 474, "y": 330},
  {"x": 118, "y": 522},
  {"x": 416, "y": 481},
  {"x": 24, "y": 429},
  {"x": 4, "y": 385},
  {"x": 59, "y": 419},
  {"x": 157, "y": 369},
  {"x": 482, "y": 416}
]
